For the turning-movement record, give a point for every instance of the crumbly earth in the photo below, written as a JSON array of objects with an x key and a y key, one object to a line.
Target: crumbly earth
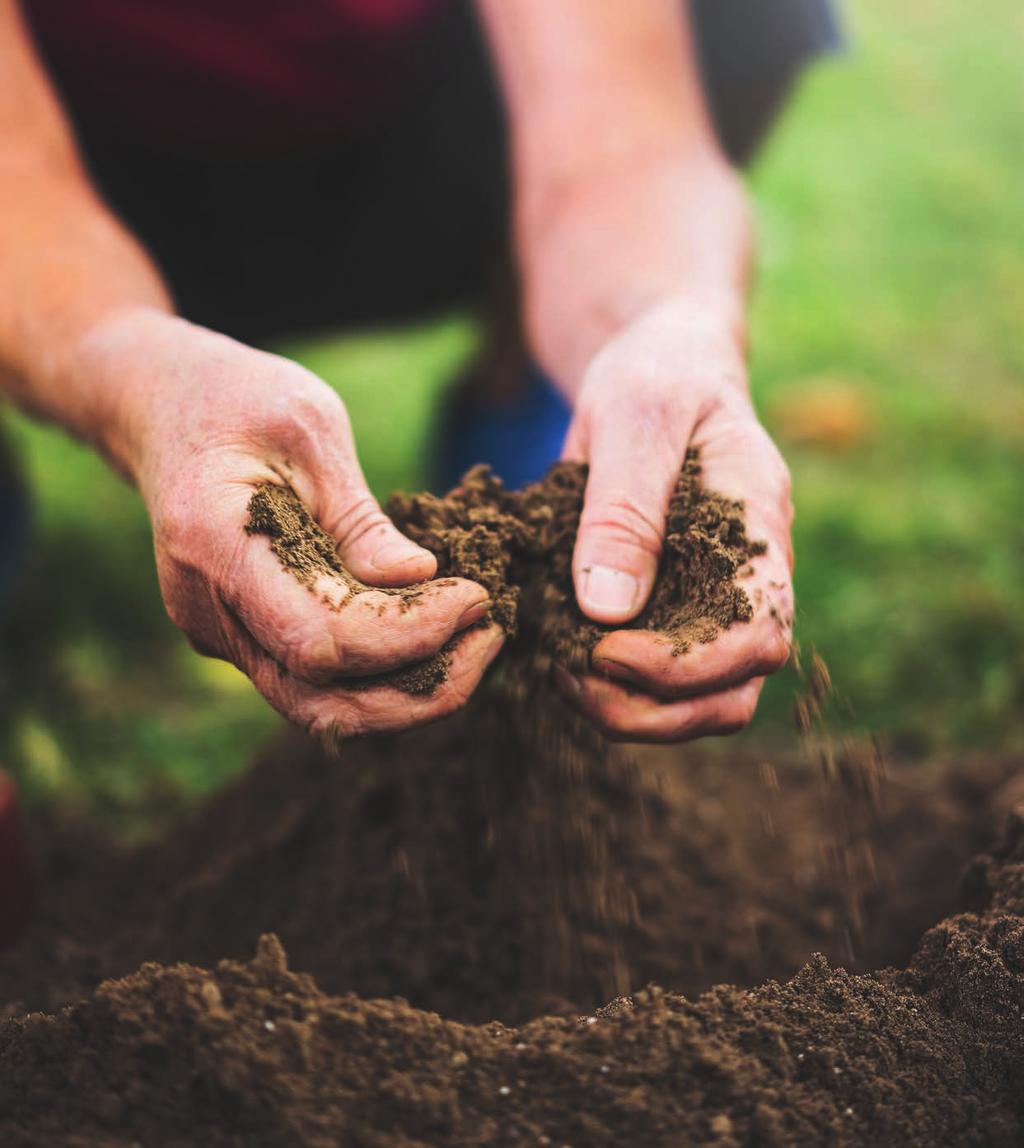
[
  {"x": 519, "y": 545},
  {"x": 460, "y": 902},
  {"x": 503, "y": 870}
]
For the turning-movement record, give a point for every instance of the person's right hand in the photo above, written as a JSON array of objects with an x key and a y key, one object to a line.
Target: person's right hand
[{"x": 202, "y": 421}]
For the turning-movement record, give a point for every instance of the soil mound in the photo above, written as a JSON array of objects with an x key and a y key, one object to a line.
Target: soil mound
[
  {"x": 462, "y": 902},
  {"x": 497, "y": 870},
  {"x": 251, "y": 1054}
]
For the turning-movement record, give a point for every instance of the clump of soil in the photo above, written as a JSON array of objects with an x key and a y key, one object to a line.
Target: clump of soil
[{"x": 519, "y": 545}]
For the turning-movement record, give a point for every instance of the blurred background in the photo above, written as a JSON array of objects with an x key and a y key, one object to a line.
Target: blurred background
[{"x": 888, "y": 360}]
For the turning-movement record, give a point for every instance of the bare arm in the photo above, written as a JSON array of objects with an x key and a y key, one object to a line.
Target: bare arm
[
  {"x": 66, "y": 264},
  {"x": 88, "y": 339},
  {"x": 635, "y": 245}
]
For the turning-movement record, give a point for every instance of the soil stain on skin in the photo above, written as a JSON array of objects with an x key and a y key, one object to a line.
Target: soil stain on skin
[
  {"x": 519, "y": 546},
  {"x": 305, "y": 549}
]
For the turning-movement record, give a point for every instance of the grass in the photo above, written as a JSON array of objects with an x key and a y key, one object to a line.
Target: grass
[{"x": 890, "y": 303}]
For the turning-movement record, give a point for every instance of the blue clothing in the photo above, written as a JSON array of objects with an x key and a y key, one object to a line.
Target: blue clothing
[{"x": 519, "y": 437}]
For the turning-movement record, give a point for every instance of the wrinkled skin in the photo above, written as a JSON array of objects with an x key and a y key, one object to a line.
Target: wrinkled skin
[{"x": 210, "y": 419}]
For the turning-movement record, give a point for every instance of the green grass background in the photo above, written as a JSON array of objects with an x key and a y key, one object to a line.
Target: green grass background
[{"x": 891, "y": 204}]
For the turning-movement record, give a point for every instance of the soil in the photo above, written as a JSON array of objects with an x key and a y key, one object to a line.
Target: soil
[
  {"x": 507, "y": 873},
  {"x": 519, "y": 544},
  {"x": 506, "y": 932}
]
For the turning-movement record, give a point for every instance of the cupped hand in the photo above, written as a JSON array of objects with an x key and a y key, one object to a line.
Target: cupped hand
[
  {"x": 665, "y": 383},
  {"x": 635, "y": 274},
  {"x": 207, "y": 420}
]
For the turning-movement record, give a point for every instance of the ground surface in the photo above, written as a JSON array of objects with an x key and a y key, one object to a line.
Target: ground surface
[{"x": 507, "y": 867}]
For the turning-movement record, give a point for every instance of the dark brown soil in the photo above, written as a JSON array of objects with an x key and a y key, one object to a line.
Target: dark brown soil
[
  {"x": 508, "y": 873},
  {"x": 518, "y": 545},
  {"x": 492, "y": 868}
]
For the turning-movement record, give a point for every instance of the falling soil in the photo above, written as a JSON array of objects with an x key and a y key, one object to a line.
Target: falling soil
[
  {"x": 519, "y": 545},
  {"x": 507, "y": 873}
]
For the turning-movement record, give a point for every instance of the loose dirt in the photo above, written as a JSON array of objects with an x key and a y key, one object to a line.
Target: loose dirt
[
  {"x": 519, "y": 545},
  {"x": 502, "y": 874}
]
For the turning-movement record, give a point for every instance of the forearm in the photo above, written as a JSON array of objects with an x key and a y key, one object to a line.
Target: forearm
[
  {"x": 66, "y": 265},
  {"x": 588, "y": 82},
  {"x": 609, "y": 124}
]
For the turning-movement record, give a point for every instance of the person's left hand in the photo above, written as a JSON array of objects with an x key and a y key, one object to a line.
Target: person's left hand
[{"x": 629, "y": 309}]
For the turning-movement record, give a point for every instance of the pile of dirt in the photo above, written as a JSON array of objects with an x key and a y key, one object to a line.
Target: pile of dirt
[
  {"x": 384, "y": 877},
  {"x": 496, "y": 868},
  {"x": 518, "y": 544}
]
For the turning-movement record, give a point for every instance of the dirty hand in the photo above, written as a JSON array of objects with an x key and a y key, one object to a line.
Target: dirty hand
[
  {"x": 205, "y": 420},
  {"x": 629, "y": 310}
]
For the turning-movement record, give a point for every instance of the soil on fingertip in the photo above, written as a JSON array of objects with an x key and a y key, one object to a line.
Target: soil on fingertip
[{"x": 519, "y": 546}]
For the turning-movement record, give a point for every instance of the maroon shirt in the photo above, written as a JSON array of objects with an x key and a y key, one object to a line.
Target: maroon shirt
[{"x": 232, "y": 72}]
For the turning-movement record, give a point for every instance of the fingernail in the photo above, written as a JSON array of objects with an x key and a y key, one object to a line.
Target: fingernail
[
  {"x": 474, "y": 613},
  {"x": 609, "y": 592},
  {"x": 395, "y": 552},
  {"x": 615, "y": 670}
]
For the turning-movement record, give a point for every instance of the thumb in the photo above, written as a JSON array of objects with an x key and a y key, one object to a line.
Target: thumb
[
  {"x": 634, "y": 466},
  {"x": 369, "y": 544}
]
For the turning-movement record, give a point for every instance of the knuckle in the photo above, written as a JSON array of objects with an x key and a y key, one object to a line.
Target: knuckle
[
  {"x": 726, "y": 727},
  {"x": 305, "y": 415},
  {"x": 776, "y": 652},
  {"x": 361, "y": 515},
  {"x": 313, "y": 656},
  {"x": 623, "y": 521},
  {"x": 329, "y": 729},
  {"x": 739, "y": 713}
]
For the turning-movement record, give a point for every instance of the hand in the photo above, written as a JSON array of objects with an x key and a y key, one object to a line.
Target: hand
[
  {"x": 632, "y": 312},
  {"x": 205, "y": 420}
]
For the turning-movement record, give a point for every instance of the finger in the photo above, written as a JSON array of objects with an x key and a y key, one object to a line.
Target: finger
[
  {"x": 368, "y": 542},
  {"x": 626, "y": 715},
  {"x": 372, "y": 547},
  {"x": 337, "y": 713},
  {"x": 738, "y": 460},
  {"x": 634, "y": 459},
  {"x": 325, "y": 631},
  {"x": 334, "y": 631},
  {"x": 648, "y": 661}
]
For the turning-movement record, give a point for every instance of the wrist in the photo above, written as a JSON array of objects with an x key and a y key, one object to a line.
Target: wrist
[
  {"x": 121, "y": 365},
  {"x": 672, "y": 236}
]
